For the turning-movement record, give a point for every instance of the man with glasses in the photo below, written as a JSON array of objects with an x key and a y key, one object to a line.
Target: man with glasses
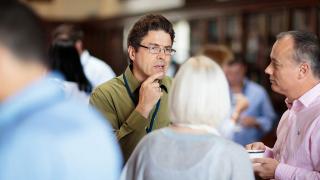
[{"x": 136, "y": 101}]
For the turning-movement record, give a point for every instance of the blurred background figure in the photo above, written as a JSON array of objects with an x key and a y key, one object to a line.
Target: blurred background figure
[
  {"x": 95, "y": 69},
  {"x": 64, "y": 58},
  {"x": 259, "y": 117},
  {"x": 222, "y": 55},
  {"x": 191, "y": 148},
  {"x": 43, "y": 135}
]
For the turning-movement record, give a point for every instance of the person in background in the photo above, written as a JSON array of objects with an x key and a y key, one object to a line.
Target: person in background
[
  {"x": 294, "y": 71},
  {"x": 258, "y": 118},
  {"x": 42, "y": 134},
  {"x": 191, "y": 148},
  {"x": 65, "y": 59},
  {"x": 136, "y": 101},
  {"x": 222, "y": 55},
  {"x": 96, "y": 70}
]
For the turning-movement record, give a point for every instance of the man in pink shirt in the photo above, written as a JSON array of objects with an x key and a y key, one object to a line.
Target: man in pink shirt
[{"x": 294, "y": 71}]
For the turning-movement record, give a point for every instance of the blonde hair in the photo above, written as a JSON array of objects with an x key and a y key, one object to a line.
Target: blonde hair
[
  {"x": 219, "y": 53},
  {"x": 200, "y": 93}
]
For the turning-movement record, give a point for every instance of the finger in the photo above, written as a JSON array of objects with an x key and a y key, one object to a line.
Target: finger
[
  {"x": 157, "y": 89},
  {"x": 152, "y": 78},
  {"x": 257, "y": 168},
  {"x": 258, "y": 145},
  {"x": 158, "y": 95},
  {"x": 155, "y": 85},
  {"x": 248, "y": 146},
  {"x": 259, "y": 160}
]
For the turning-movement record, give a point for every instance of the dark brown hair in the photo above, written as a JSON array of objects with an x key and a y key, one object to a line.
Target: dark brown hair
[
  {"x": 148, "y": 23},
  {"x": 21, "y": 32},
  {"x": 68, "y": 31}
]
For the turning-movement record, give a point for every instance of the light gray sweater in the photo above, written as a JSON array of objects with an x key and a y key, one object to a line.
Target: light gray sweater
[{"x": 165, "y": 154}]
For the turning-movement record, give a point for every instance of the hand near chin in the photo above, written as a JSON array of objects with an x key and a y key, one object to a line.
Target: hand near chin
[{"x": 150, "y": 92}]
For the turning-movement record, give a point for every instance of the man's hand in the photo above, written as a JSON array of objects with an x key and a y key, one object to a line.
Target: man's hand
[
  {"x": 248, "y": 121},
  {"x": 255, "y": 146},
  {"x": 265, "y": 167},
  {"x": 242, "y": 104},
  {"x": 149, "y": 94}
]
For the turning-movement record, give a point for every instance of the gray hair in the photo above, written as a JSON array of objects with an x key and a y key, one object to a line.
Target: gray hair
[
  {"x": 200, "y": 93},
  {"x": 306, "y": 49}
]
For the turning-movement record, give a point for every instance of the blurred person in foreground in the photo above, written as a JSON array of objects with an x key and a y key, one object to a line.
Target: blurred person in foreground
[
  {"x": 294, "y": 71},
  {"x": 136, "y": 101},
  {"x": 65, "y": 59},
  {"x": 96, "y": 70},
  {"x": 191, "y": 148},
  {"x": 258, "y": 119},
  {"x": 43, "y": 135}
]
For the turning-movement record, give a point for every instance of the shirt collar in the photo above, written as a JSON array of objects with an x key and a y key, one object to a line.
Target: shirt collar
[
  {"x": 84, "y": 57},
  {"x": 245, "y": 85},
  {"x": 306, "y": 99},
  {"x": 134, "y": 84},
  {"x": 288, "y": 103}
]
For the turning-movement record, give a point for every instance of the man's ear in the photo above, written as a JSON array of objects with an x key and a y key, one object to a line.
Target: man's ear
[
  {"x": 304, "y": 69},
  {"x": 79, "y": 46},
  {"x": 132, "y": 53}
]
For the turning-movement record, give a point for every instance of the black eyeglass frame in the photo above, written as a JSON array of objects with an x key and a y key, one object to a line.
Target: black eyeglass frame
[{"x": 171, "y": 53}]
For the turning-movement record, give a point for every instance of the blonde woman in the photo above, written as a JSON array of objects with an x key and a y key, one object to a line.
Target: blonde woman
[{"x": 191, "y": 148}]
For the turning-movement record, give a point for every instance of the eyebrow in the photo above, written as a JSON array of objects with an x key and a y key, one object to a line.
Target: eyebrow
[
  {"x": 274, "y": 60},
  {"x": 155, "y": 44}
]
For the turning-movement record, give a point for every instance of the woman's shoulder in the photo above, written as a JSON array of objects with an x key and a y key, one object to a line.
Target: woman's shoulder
[{"x": 229, "y": 147}]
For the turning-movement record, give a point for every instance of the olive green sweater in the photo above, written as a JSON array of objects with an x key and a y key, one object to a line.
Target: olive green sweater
[{"x": 113, "y": 101}]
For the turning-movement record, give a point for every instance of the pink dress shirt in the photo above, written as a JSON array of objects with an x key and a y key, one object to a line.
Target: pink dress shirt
[{"x": 298, "y": 139}]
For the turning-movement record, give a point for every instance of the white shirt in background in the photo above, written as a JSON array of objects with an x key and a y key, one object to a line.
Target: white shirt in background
[
  {"x": 71, "y": 90},
  {"x": 96, "y": 70}
]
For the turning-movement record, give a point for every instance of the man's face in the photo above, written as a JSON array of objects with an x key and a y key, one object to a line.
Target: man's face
[
  {"x": 145, "y": 63},
  {"x": 283, "y": 69},
  {"x": 235, "y": 73}
]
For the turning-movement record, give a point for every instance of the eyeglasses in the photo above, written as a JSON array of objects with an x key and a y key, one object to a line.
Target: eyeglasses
[{"x": 158, "y": 50}]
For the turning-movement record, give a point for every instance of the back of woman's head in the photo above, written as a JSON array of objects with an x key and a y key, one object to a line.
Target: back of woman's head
[
  {"x": 200, "y": 93},
  {"x": 64, "y": 58}
]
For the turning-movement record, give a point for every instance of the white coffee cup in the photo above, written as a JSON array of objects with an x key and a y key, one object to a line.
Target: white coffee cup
[{"x": 255, "y": 153}]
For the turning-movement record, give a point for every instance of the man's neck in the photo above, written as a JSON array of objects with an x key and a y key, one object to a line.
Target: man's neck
[
  {"x": 23, "y": 78},
  {"x": 304, "y": 88},
  {"x": 236, "y": 88},
  {"x": 138, "y": 75}
]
